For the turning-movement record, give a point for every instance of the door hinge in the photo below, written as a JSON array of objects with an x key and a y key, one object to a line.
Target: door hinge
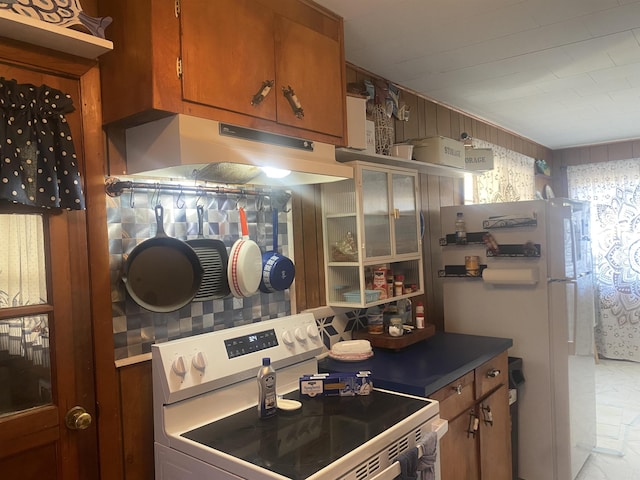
[
  {"x": 177, "y": 8},
  {"x": 179, "y": 67}
]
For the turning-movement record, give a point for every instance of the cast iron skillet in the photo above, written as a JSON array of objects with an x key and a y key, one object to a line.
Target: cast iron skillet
[
  {"x": 162, "y": 274},
  {"x": 213, "y": 258}
]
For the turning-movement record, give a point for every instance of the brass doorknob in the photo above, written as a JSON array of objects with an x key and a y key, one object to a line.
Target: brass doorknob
[{"x": 77, "y": 419}]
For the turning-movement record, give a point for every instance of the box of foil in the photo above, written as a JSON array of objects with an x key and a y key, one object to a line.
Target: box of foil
[{"x": 346, "y": 384}]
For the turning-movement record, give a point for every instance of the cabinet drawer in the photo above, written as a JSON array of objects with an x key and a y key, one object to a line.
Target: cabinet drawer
[
  {"x": 491, "y": 375},
  {"x": 456, "y": 397}
]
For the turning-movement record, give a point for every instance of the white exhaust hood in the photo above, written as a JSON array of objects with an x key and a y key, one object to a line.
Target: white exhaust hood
[{"x": 186, "y": 147}]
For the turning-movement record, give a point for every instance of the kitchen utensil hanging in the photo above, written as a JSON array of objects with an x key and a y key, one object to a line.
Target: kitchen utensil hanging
[
  {"x": 214, "y": 259},
  {"x": 162, "y": 274},
  {"x": 244, "y": 270},
  {"x": 278, "y": 270}
]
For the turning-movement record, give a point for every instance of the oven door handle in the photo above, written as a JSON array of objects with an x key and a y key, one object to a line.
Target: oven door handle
[{"x": 439, "y": 425}]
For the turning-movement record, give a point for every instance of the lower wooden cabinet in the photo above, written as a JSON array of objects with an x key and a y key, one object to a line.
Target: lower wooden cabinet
[
  {"x": 459, "y": 450},
  {"x": 495, "y": 436},
  {"x": 478, "y": 443}
]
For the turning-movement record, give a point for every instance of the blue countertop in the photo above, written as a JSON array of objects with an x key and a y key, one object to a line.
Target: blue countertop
[{"x": 426, "y": 366}]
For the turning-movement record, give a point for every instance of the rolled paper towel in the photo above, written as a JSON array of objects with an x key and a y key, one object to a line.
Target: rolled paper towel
[{"x": 510, "y": 276}]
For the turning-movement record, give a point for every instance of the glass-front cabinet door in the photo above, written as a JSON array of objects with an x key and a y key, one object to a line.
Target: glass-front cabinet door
[
  {"x": 376, "y": 213},
  {"x": 404, "y": 213}
]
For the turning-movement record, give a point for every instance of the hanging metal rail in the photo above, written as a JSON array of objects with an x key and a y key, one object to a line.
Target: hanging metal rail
[{"x": 115, "y": 187}]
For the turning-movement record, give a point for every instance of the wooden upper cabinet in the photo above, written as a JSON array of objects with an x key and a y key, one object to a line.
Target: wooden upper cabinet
[
  {"x": 215, "y": 56},
  {"x": 227, "y": 53},
  {"x": 309, "y": 63}
]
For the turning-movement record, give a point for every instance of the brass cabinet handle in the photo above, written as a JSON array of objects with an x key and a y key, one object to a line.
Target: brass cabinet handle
[
  {"x": 291, "y": 96},
  {"x": 265, "y": 88}
]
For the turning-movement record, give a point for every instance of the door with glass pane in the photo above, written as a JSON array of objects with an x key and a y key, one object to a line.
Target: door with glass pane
[{"x": 47, "y": 400}]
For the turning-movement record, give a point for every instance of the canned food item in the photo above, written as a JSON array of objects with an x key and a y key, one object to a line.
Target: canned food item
[{"x": 472, "y": 265}]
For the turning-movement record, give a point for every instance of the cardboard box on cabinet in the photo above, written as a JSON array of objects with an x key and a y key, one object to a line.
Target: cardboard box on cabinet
[
  {"x": 478, "y": 159},
  {"x": 439, "y": 150}
]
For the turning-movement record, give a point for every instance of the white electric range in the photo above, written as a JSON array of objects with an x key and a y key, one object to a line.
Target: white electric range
[{"x": 206, "y": 418}]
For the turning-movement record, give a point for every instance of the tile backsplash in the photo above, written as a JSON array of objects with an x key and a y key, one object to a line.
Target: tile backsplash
[{"x": 131, "y": 220}]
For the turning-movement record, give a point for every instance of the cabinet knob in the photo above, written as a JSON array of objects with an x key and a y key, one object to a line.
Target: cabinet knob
[
  {"x": 493, "y": 373},
  {"x": 458, "y": 389}
]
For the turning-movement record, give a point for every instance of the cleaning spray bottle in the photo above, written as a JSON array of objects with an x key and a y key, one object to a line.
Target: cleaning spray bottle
[{"x": 267, "y": 401}]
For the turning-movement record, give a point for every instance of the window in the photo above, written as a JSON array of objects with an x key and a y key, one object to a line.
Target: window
[{"x": 25, "y": 376}]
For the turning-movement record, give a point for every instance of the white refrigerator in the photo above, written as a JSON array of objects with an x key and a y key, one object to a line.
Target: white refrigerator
[{"x": 536, "y": 287}]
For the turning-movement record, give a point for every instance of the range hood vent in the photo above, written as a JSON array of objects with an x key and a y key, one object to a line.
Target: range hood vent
[{"x": 186, "y": 147}]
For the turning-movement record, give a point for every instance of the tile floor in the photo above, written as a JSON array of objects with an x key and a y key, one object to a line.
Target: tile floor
[{"x": 617, "y": 454}]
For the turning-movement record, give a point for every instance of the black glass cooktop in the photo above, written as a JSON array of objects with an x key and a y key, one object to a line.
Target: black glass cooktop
[{"x": 298, "y": 444}]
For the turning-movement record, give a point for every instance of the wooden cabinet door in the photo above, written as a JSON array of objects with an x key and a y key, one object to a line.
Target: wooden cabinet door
[
  {"x": 459, "y": 450},
  {"x": 495, "y": 436},
  {"x": 311, "y": 64},
  {"x": 40, "y": 385},
  {"x": 227, "y": 54}
]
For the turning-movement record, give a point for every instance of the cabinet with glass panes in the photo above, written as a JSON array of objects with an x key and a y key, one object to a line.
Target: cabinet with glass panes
[{"x": 372, "y": 224}]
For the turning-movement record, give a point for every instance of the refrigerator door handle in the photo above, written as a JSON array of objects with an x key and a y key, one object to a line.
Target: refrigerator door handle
[
  {"x": 573, "y": 319},
  {"x": 574, "y": 246}
]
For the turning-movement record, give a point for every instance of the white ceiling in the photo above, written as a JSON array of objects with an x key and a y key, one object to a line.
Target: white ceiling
[{"x": 562, "y": 73}]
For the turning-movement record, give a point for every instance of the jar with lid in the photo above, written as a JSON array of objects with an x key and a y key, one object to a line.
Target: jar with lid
[
  {"x": 374, "y": 320},
  {"x": 461, "y": 229},
  {"x": 399, "y": 285},
  {"x": 395, "y": 327}
]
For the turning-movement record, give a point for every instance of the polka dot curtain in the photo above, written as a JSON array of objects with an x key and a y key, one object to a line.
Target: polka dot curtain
[{"x": 38, "y": 165}]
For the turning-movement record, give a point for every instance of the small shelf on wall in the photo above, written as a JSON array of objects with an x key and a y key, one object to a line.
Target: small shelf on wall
[
  {"x": 472, "y": 238},
  {"x": 459, "y": 271},
  {"x": 36, "y": 32},
  {"x": 349, "y": 155},
  {"x": 529, "y": 250},
  {"x": 510, "y": 222}
]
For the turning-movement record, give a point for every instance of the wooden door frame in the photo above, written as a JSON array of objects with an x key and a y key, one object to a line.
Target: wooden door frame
[{"x": 94, "y": 168}]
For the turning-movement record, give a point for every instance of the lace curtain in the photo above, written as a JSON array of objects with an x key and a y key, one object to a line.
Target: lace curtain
[
  {"x": 22, "y": 264},
  {"x": 613, "y": 188},
  {"x": 511, "y": 180}
]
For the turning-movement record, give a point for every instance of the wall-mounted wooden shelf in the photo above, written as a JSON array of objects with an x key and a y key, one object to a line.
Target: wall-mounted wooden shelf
[
  {"x": 43, "y": 34},
  {"x": 349, "y": 155}
]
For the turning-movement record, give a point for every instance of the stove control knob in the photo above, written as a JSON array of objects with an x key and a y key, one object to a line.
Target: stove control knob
[
  {"x": 300, "y": 336},
  {"x": 178, "y": 366},
  {"x": 199, "y": 362},
  {"x": 312, "y": 331},
  {"x": 286, "y": 338}
]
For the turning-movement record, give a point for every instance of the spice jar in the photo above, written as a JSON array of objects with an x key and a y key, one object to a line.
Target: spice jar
[
  {"x": 399, "y": 285},
  {"x": 419, "y": 315}
]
